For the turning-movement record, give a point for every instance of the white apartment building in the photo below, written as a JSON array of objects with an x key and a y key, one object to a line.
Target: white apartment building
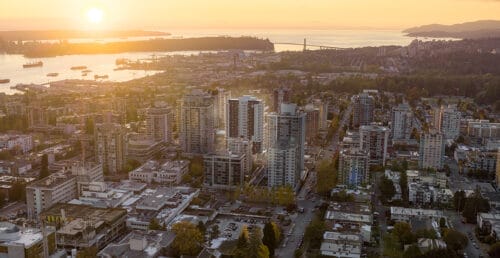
[
  {"x": 432, "y": 146},
  {"x": 447, "y": 121},
  {"x": 43, "y": 194},
  {"x": 245, "y": 119},
  {"x": 196, "y": 123},
  {"x": 167, "y": 173},
  {"x": 23, "y": 142},
  {"x": 402, "y": 122},
  {"x": 373, "y": 139},
  {"x": 160, "y": 123},
  {"x": 353, "y": 167},
  {"x": 285, "y": 141}
]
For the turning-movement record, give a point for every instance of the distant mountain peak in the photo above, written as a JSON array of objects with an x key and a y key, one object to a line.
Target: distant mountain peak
[{"x": 475, "y": 29}]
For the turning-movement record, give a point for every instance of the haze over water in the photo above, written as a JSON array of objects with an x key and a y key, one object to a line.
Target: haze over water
[{"x": 104, "y": 64}]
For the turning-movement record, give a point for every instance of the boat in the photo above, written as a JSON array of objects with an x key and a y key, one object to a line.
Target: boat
[
  {"x": 52, "y": 74},
  {"x": 4, "y": 81},
  {"x": 33, "y": 64},
  {"x": 79, "y": 67},
  {"x": 101, "y": 76}
]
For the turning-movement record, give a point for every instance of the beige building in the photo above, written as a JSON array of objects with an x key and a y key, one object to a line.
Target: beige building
[
  {"x": 431, "y": 152},
  {"x": 43, "y": 194}
]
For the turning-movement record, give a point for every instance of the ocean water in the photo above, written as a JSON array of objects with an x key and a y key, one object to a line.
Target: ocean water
[{"x": 104, "y": 64}]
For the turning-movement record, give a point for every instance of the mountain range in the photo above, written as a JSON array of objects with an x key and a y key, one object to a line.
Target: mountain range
[{"x": 469, "y": 30}]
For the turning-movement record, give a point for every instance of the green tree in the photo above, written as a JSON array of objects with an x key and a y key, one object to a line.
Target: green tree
[
  {"x": 201, "y": 227},
  {"x": 314, "y": 233},
  {"x": 89, "y": 252},
  {"x": 459, "y": 200},
  {"x": 154, "y": 224},
  {"x": 412, "y": 252},
  {"x": 387, "y": 188},
  {"x": 494, "y": 250},
  {"x": 195, "y": 175},
  {"x": 473, "y": 205},
  {"x": 402, "y": 232},
  {"x": 188, "y": 238},
  {"x": 403, "y": 183},
  {"x": 326, "y": 177},
  {"x": 271, "y": 236},
  {"x": 442, "y": 222},
  {"x": 242, "y": 244},
  {"x": 214, "y": 232},
  {"x": 455, "y": 240},
  {"x": 44, "y": 170},
  {"x": 256, "y": 249}
]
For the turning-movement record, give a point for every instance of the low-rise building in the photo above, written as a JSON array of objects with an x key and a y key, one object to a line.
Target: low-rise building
[
  {"x": 21, "y": 242},
  {"x": 23, "y": 142},
  {"x": 44, "y": 193},
  {"x": 407, "y": 214},
  {"x": 99, "y": 194},
  {"x": 83, "y": 226},
  {"x": 336, "y": 244},
  {"x": 148, "y": 244},
  {"x": 168, "y": 173},
  {"x": 162, "y": 204}
]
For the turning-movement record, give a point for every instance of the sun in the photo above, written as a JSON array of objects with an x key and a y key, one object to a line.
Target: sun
[{"x": 95, "y": 15}]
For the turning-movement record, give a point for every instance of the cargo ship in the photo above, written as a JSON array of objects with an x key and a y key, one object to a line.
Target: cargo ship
[
  {"x": 4, "y": 81},
  {"x": 52, "y": 74},
  {"x": 80, "y": 67},
  {"x": 33, "y": 64}
]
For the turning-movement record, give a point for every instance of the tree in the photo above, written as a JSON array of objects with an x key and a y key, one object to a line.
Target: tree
[
  {"x": 214, "y": 232},
  {"x": 271, "y": 236},
  {"x": 188, "y": 238},
  {"x": 88, "y": 252},
  {"x": 242, "y": 245},
  {"x": 201, "y": 227},
  {"x": 402, "y": 232},
  {"x": 473, "y": 205},
  {"x": 403, "y": 183},
  {"x": 195, "y": 175},
  {"x": 459, "y": 200},
  {"x": 412, "y": 251},
  {"x": 256, "y": 249},
  {"x": 154, "y": 224},
  {"x": 44, "y": 170},
  {"x": 326, "y": 177},
  {"x": 455, "y": 240},
  {"x": 494, "y": 250},
  {"x": 442, "y": 222},
  {"x": 314, "y": 233},
  {"x": 387, "y": 188}
]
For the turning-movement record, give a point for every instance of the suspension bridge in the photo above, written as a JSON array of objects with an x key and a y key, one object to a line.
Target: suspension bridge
[{"x": 305, "y": 45}]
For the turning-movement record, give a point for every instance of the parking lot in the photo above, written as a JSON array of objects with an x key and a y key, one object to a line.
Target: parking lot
[{"x": 230, "y": 228}]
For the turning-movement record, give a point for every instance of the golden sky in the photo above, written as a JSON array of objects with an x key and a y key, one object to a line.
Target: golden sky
[{"x": 220, "y": 14}]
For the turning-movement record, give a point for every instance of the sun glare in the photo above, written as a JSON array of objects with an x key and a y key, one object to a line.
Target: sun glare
[{"x": 95, "y": 15}]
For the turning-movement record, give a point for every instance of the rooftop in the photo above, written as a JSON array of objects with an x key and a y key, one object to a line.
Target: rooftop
[{"x": 52, "y": 181}]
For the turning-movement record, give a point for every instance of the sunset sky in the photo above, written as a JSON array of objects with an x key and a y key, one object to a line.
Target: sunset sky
[{"x": 220, "y": 14}]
